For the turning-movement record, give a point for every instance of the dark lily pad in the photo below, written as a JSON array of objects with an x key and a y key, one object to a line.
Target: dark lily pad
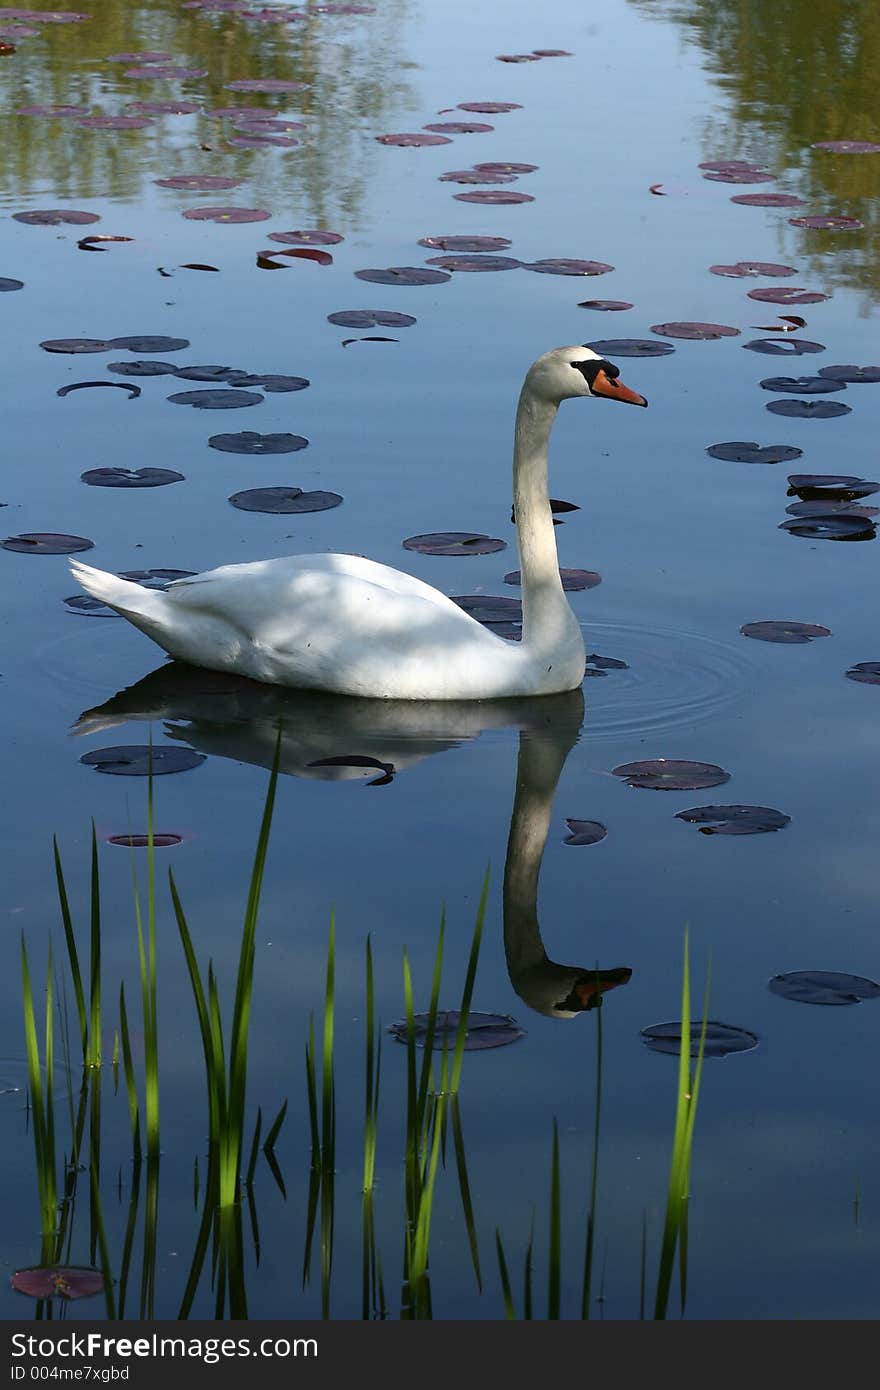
[
  {"x": 474, "y": 176},
  {"x": 836, "y": 487},
  {"x": 802, "y": 385},
  {"x": 52, "y": 217},
  {"x": 133, "y": 391},
  {"x": 828, "y": 223},
  {"x": 832, "y": 987},
  {"x": 266, "y": 261},
  {"x": 831, "y": 528},
  {"x": 7, "y": 285},
  {"x": 490, "y": 609},
  {"x": 229, "y": 399},
  {"x": 496, "y": 166},
  {"x": 694, "y": 330},
  {"x": 271, "y": 125},
  {"x": 265, "y": 84},
  {"x": 139, "y": 759},
  {"x": 163, "y": 108},
  {"x": 58, "y": 1281},
  {"x": 370, "y": 318},
  {"x": 475, "y": 262},
  {"x": 489, "y": 108},
  {"x": 501, "y": 196},
  {"x": 187, "y": 265},
  {"x": 314, "y": 238},
  {"x": 721, "y": 1038},
  {"x": 227, "y": 216},
  {"x": 596, "y": 664},
  {"x": 572, "y": 580},
  {"x": 53, "y": 109},
  {"x": 403, "y": 275},
  {"x": 671, "y": 774},
  {"x": 518, "y": 57},
  {"x": 467, "y": 244},
  {"x": 90, "y": 243},
  {"x": 740, "y": 269},
  {"x": 851, "y": 374},
  {"x": 284, "y": 500},
  {"x": 865, "y": 672},
  {"x": 786, "y": 295},
  {"x": 257, "y": 140},
  {"x": 483, "y": 1030},
  {"x": 130, "y": 477},
  {"x": 162, "y": 839},
  {"x": 413, "y": 138},
  {"x": 734, "y": 820},
  {"x": 369, "y": 338},
  {"x": 740, "y": 451},
  {"x": 556, "y": 505},
  {"x": 831, "y": 509},
  {"x": 584, "y": 832},
  {"x": 784, "y": 347},
  {"x": 114, "y": 122},
  {"x": 77, "y": 345},
  {"x": 348, "y": 765},
  {"x": 269, "y": 381},
  {"x": 630, "y": 347},
  {"x": 46, "y": 543},
  {"x": 149, "y": 343},
  {"x": 720, "y": 165},
  {"x": 847, "y": 146},
  {"x": 148, "y": 56},
  {"x": 91, "y": 607},
  {"x": 605, "y": 306},
  {"x": 559, "y": 265},
  {"x": 157, "y": 578},
  {"x": 248, "y": 442},
  {"x": 454, "y": 543},
  {"x": 739, "y": 175},
  {"x": 459, "y": 127},
  {"x": 768, "y": 200},
  {"x": 786, "y": 323},
  {"x": 164, "y": 71},
  {"x": 202, "y": 182},
  {"x": 790, "y": 633},
  {"x": 205, "y": 372},
  {"x": 808, "y": 410}
]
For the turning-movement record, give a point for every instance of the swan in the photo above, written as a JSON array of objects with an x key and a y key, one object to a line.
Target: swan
[{"x": 348, "y": 625}]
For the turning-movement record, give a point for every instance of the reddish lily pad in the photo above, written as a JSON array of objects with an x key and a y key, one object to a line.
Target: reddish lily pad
[
  {"x": 454, "y": 543},
  {"x": 489, "y": 108},
  {"x": 271, "y": 125},
  {"x": 307, "y": 253},
  {"x": 768, "y": 200},
  {"x": 720, "y": 166},
  {"x": 8, "y": 285},
  {"x": 836, "y": 487},
  {"x": 560, "y": 265},
  {"x": 827, "y": 987},
  {"x": 51, "y": 217},
  {"x": 284, "y": 500},
  {"x": 57, "y": 109},
  {"x": 851, "y": 374},
  {"x": 164, "y": 71},
  {"x": 258, "y": 139},
  {"x": 671, "y": 774},
  {"x": 495, "y": 166},
  {"x": 249, "y": 442},
  {"x": 847, "y": 146},
  {"x": 734, "y": 820},
  {"x": 90, "y": 243},
  {"x": 459, "y": 127},
  {"x": 518, "y": 57},
  {"x": 313, "y": 238},
  {"x": 483, "y": 1030},
  {"x": 114, "y": 122},
  {"x": 788, "y": 633},
  {"x": 831, "y": 509},
  {"x": 475, "y": 262},
  {"x": 630, "y": 347},
  {"x": 742, "y": 451},
  {"x": 573, "y": 580},
  {"x": 150, "y": 343},
  {"x": 229, "y": 399},
  {"x": 584, "y": 832},
  {"x": 739, "y": 175},
  {"x": 784, "y": 347},
  {"x": 500, "y": 196},
  {"x": 370, "y": 318},
  {"x": 58, "y": 1281},
  {"x": 828, "y": 223},
  {"x": 694, "y": 330},
  {"x": 490, "y": 609},
  {"x": 142, "y": 368},
  {"x": 140, "y": 759},
  {"x": 202, "y": 182},
  {"x": 403, "y": 275},
  {"x": 788, "y": 295},
  {"x": 227, "y": 216},
  {"x": 865, "y": 672},
  {"x": 269, "y": 381},
  {"x": 831, "y": 528},
  {"x": 77, "y": 345},
  {"x": 133, "y": 391},
  {"x": 130, "y": 477},
  {"x": 413, "y": 138},
  {"x": 740, "y": 269},
  {"x": 467, "y": 244},
  {"x": 265, "y": 84},
  {"x": 808, "y": 410},
  {"x": 802, "y": 385},
  {"x": 474, "y": 176},
  {"x": 720, "y": 1041},
  {"x": 605, "y": 306},
  {"x": 205, "y": 373},
  {"x": 46, "y": 543},
  {"x": 148, "y": 56},
  {"x": 161, "y": 839}
]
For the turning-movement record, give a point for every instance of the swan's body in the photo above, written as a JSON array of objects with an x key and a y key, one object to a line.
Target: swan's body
[{"x": 346, "y": 624}]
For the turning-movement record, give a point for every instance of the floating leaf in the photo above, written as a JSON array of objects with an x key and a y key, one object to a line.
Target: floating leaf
[
  {"x": 559, "y": 265},
  {"x": 740, "y": 269},
  {"x": 584, "y": 832},
  {"x": 114, "y": 122},
  {"x": 91, "y": 607},
  {"x": 459, "y": 127},
  {"x": 739, "y": 175},
  {"x": 142, "y": 368},
  {"x": 831, "y": 509},
  {"x": 140, "y": 759},
  {"x": 847, "y": 146},
  {"x": 7, "y": 285},
  {"x": 809, "y": 410},
  {"x": 56, "y": 109},
  {"x": 694, "y": 330},
  {"x": 247, "y": 442},
  {"x": 454, "y": 543},
  {"x": 161, "y": 839},
  {"x": 306, "y": 253},
  {"x": 474, "y": 176},
  {"x": 284, "y": 500},
  {"x": 58, "y": 1281},
  {"x": 46, "y": 543},
  {"x": 240, "y": 113},
  {"x": 369, "y": 338},
  {"x": 851, "y": 374},
  {"x": 149, "y": 56},
  {"x": 370, "y": 318},
  {"x": 831, "y": 528},
  {"x": 605, "y": 306},
  {"x": 202, "y": 182},
  {"x": 721, "y": 1038},
  {"x": 671, "y": 774},
  {"x": 786, "y": 323},
  {"x": 77, "y": 345},
  {"x": 133, "y": 391},
  {"x": 51, "y": 217},
  {"x": 789, "y": 633},
  {"x": 489, "y": 108},
  {"x": 314, "y": 238},
  {"x": 489, "y": 609},
  {"x": 734, "y": 820},
  {"x": 269, "y": 381},
  {"x": 263, "y": 124},
  {"x": 188, "y": 265},
  {"x": 258, "y": 140},
  {"x": 154, "y": 343},
  {"x": 719, "y": 166},
  {"x": 828, "y": 223},
  {"x": 265, "y": 84},
  {"x": 596, "y": 663},
  {"x": 802, "y": 385},
  {"x": 483, "y": 1030},
  {"x": 155, "y": 579},
  {"x": 205, "y": 373},
  {"x": 518, "y": 57},
  {"x": 865, "y": 672},
  {"x": 768, "y": 200},
  {"x": 572, "y": 580},
  {"x": 163, "y": 71},
  {"x": 163, "y": 108},
  {"x": 782, "y": 347},
  {"x": 413, "y": 138},
  {"x": 89, "y": 243},
  {"x": 630, "y": 347},
  {"x": 403, "y": 275},
  {"x": 492, "y": 195},
  {"x": 741, "y": 451},
  {"x": 466, "y": 243},
  {"x": 495, "y": 166},
  {"x": 823, "y": 987},
  {"x": 229, "y": 399},
  {"x": 787, "y": 295},
  {"x": 476, "y": 262},
  {"x": 130, "y": 477},
  {"x": 226, "y": 216},
  {"x": 838, "y": 487}
]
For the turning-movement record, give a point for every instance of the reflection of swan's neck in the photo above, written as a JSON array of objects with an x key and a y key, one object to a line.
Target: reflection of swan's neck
[{"x": 547, "y": 617}]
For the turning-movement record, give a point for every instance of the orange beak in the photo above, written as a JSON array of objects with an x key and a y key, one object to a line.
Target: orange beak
[{"x": 603, "y": 385}]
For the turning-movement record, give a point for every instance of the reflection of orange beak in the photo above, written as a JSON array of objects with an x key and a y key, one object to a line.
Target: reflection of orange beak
[
  {"x": 589, "y": 990},
  {"x": 603, "y": 385}
]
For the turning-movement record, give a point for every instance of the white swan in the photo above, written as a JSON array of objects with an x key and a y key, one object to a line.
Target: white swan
[{"x": 346, "y": 624}]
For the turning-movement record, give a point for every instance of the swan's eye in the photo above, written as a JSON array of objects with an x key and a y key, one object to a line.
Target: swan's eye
[{"x": 590, "y": 370}]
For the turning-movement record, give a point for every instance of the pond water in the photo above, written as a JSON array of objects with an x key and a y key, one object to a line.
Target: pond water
[{"x": 415, "y": 434}]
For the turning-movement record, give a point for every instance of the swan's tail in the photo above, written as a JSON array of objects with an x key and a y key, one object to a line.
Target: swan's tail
[{"x": 145, "y": 608}]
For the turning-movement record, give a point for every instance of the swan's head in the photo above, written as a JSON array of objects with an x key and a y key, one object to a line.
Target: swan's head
[{"x": 577, "y": 371}]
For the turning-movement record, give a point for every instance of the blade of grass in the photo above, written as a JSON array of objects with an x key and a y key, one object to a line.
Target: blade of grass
[
  {"x": 554, "y": 1275},
  {"x": 509, "y": 1310}
]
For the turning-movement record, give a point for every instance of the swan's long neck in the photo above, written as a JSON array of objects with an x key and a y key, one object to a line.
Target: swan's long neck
[{"x": 548, "y": 622}]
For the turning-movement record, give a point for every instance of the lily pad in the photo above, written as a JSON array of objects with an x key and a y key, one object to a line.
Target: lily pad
[
  {"x": 739, "y": 175},
  {"x": 501, "y": 196},
  {"x": 133, "y": 391},
  {"x": 483, "y": 1030},
  {"x": 248, "y": 442},
  {"x": 157, "y": 578},
  {"x": 149, "y": 343},
  {"x": 467, "y": 244},
  {"x": 832, "y": 509},
  {"x": 584, "y": 832},
  {"x": 130, "y": 477},
  {"x": 46, "y": 543},
  {"x": 474, "y": 176},
  {"x": 7, "y": 285},
  {"x": 202, "y": 182},
  {"x": 740, "y": 269},
  {"x": 784, "y": 347},
  {"x": 403, "y": 275},
  {"x": 573, "y": 580},
  {"x": 164, "y": 71},
  {"x": 52, "y": 109},
  {"x": 58, "y": 1281},
  {"x": 370, "y": 318},
  {"x": 162, "y": 839},
  {"x": 284, "y": 500},
  {"x": 495, "y": 166},
  {"x": 489, "y": 108},
  {"x": 270, "y": 125},
  {"x": 76, "y": 345},
  {"x": 596, "y": 664},
  {"x": 413, "y": 138},
  {"x": 865, "y": 672},
  {"x": 789, "y": 633},
  {"x": 734, "y": 820},
  {"x": 114, "y": 122},
  {"x": 768, "y": 200},
  {"x": 831, "y": 528},
  {"x": 827, "y": 987},
  {"x": 227, "y": 216},
  {"x": 671, "y": 774},
  {"x": 266, "y": 259},
  {"x": 741, "y": 451},
  {"x": 476, "y": 262},
  {"x": 808, "y": 410},
  {"x": 454, "y": 543},
  {"x": 269, "y": 381},
  {"x": 91, "y": 607},
  {"x": 630, "y": 347},
  {"x": 205, "y": 372},
  {"x": 140, "y": 759},
  {"x": 459, "y": 127},
  {"x": 490, "y": 609},
  {"x": 230, "y": 399},
  {"x": 90, "y": 243},
  {"x": 721, "y": 1038},
  {"x": 265, "y": 84},
  {"x": 847, "y": 146},
  {"x": 787, "y": 295},
  {"x": 559, "y": 265},
  {"x": 837, "y": 487},
  {"x": 802, "y": 385},
  {"x": 694, "y": 330},
  {"x": 851, "y": 374},
  {"x": 52, "y": 217},
  {"x": 828, "y": 223},
  {"x": 605, "y": 306},
  {"x": 148, "y": 56},
  {"x": 314, "y": 238}
]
